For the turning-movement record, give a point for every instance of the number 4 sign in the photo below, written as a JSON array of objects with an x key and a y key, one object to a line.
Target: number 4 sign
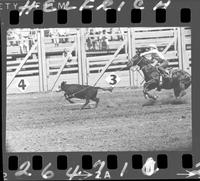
[
  {"x": 113, "y": 79},
  {"x": 22, "y": 85}
]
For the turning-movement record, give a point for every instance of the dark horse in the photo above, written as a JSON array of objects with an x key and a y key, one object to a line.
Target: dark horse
[{"x": 179, "y": 80}]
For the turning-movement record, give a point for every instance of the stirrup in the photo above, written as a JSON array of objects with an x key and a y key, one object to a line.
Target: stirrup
[{"x": 158, "y": 89}]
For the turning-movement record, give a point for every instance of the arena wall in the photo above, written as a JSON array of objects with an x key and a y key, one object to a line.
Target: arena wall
[{"x": 45, "y": 67}]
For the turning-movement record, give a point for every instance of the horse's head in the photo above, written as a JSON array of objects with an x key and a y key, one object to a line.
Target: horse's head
[{"x": 134, "y": 61}]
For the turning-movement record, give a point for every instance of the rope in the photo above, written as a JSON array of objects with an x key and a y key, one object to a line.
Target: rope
[
  {"x": 89, "y": 87},
  {"x": 139, "y": 71}
]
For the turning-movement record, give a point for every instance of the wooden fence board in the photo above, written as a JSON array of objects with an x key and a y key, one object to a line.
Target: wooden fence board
[
  {"x": 106, "y": 57},
  {"x": 152, "y": 29},
  {"x": 146, "y": 42},
  {"x": 150, "y": 35},
  {"x": 30, "y": 61},
  {"x": 35, "y": 66},
  {"x": 25, "y": 73}
]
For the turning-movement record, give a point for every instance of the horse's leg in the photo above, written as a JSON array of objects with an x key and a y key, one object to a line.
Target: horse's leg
[
  {"x": 149, "y": 86},
  {"x": 145, "y": 91},
  {"x": 182, "y": 90},
  {"x": 176, "y": 91}
]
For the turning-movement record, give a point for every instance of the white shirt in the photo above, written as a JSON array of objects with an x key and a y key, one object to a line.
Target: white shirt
[{"x": 155, "y": 54}]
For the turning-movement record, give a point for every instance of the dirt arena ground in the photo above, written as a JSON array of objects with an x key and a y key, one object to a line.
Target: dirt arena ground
[{"x": 123, "y": 121}]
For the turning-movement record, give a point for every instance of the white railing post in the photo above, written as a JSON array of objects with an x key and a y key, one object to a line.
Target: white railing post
[
  {"x": 132, "y": 52},
  {"x": 79, "y": 57},
  {"x": 110, "y": 61},
  {"x": 22, "y": 63},
  {"x": 43, "y": 68},
  {"x": 44, "y": 61},
  {"x": 39, "y": 49},
  {"x": 180, "y": 49},
  {"x": 83, "y": 57},
  {"x": 185, "y": 58}
]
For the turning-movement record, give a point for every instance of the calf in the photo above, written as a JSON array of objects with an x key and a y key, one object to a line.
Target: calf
[{"x": 82, "y": 92}]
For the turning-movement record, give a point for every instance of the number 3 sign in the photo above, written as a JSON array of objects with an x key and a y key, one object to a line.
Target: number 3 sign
[
  {"x": 22, "y": 85},
  {"x": 113, "y": 79}
]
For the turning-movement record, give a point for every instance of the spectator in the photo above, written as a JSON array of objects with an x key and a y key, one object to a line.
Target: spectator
[
  {"x": 32, "y": 37},
  {"x": 55, "y": 36},
  {"x": 104, "y": 40},
  {"x": 67, "y": 55},
  {"x": 23, "y": 44},
  {"x": 91, "y": 40}
]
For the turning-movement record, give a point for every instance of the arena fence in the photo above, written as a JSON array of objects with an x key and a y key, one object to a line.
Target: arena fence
[{"x": 40, "y": 63}]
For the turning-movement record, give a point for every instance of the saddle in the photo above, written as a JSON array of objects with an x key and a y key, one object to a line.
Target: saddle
[{"x": 166, "y": 74}]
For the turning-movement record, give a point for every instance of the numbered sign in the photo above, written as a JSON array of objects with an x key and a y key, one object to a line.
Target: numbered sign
[
  {"x": 113, "y": 79},
  {"x": 22, "y": 85}
]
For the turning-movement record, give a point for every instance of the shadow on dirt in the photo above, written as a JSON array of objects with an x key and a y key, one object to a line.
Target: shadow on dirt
[
  {"x": 150, "y": 103},
  {"x": 112, "y": 104},
  {"x": 167, "y": 101},
  {"x": 79, "y": 108},
  {"x": 173, "y": 101}
]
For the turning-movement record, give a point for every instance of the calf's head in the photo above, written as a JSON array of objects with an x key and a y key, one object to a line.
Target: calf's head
[{"x": 61, "y": 87}]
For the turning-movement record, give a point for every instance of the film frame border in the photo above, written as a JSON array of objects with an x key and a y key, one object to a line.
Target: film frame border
[
  {"x": 193, "y": 6},
  {"x": 111, "y": 16}
]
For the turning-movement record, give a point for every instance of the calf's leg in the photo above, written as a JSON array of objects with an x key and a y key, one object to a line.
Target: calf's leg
[
  {"x": 96, "y": 100},
  {"x": 86, "y": 103},
  {"x": 68, "y": 99}
]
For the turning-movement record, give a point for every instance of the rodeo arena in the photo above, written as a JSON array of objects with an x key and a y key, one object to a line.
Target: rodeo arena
[{"x": 83, "y": 89}]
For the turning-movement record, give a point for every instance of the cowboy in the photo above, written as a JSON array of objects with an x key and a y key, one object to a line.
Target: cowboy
[{"x": 159, "y": 61}]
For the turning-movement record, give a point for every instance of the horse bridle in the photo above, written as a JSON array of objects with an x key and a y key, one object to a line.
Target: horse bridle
[{"x": 141, "y": 58}]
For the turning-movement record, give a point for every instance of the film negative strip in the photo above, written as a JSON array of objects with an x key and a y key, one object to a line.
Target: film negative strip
[{"x": 100, "y": 89}]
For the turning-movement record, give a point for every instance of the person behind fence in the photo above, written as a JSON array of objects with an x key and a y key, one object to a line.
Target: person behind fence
[
  {"x": 159, "y": 61},
  {"x": 104, "y": 40},
  {"x": 55, "y": 36},
  {"x": 67, "y": 55},
  {"x": 23, "y": 44},
  {"x": 93, "y": 39}
]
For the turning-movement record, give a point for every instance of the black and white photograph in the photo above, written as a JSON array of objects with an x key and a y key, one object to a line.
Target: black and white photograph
[{"x": 99, "y": 89}]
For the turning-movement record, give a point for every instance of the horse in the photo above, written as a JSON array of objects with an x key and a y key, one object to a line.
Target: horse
[{"x": 178, "y": 80}]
